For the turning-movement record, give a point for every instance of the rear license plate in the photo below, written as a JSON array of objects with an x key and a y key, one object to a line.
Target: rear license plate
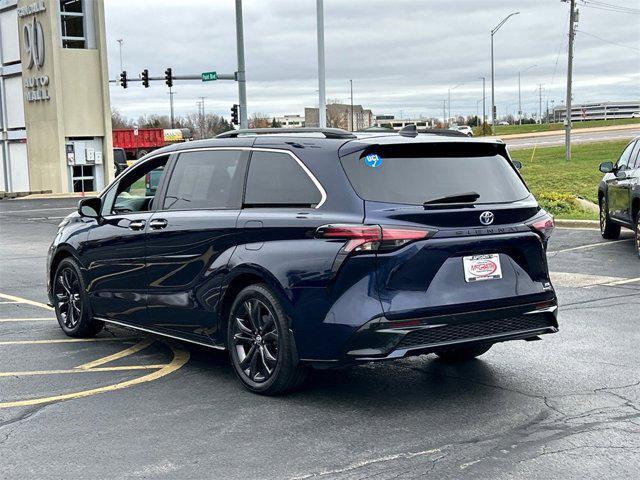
[{"x": 482, "y": 267}]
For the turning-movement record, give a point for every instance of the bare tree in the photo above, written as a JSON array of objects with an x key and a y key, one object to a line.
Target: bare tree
[
  {"x": 259, "y": 120},
  {"x": 119, "y": 121}
]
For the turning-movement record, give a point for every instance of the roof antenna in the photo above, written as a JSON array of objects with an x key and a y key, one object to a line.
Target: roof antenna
[{"x": 409, "y": 131}]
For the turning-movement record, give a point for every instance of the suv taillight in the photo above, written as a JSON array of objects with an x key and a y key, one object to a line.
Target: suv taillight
[
  {"x": 543, "y": 226},
  {"x": 360, "y": 238}
]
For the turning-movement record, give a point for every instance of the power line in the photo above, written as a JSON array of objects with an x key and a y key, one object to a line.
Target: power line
[
  {"x": 608, "y": 41},
  {"x": 609, "y": 7}
]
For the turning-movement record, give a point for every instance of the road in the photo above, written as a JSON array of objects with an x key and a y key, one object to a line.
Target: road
[
  {"x": 577, "y": 136},
  {"x": 127, "y": 406}
]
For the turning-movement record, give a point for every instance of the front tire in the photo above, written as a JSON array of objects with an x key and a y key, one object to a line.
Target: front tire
[
  {"x": 72, "y": 307},
  {"x": 462, "y": 354},
  {"x": 608, "y": 230},
  {"x": 638, "y": 233},
  {"x": 261, "y": 345}
]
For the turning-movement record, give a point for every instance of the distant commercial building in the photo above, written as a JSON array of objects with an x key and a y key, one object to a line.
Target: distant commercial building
[
  {"x": 291, "y": 121},
  {"x": 597, "y": 111},
  {"x": 55, "y": 118},
  {"x": 339, "y": 116},
  {"x": 397, "y": 124}
]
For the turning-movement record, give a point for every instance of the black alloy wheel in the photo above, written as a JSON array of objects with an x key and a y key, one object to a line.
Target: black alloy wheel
[
  {"x": 608, "y": 230},
  {"x": 638, "y": 233},
  {"x": 255, "y": 340},
  {"x": 261, "y": 343},
  {"x": 72, "y": 306},
  {"x": 67, "y": 292}
]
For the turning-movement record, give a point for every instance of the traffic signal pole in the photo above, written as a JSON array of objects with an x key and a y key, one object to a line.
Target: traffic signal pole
[{"x": 242, "y": 84}]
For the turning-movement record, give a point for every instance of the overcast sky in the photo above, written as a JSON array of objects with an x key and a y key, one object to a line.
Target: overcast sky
[{"x": 403, "y": 55}]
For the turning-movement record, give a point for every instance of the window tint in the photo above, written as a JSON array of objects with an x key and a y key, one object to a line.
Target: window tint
[
  {"x": 209, "y": 179},
  {"x": 136, "y": 190},
  {"x": 415, "y": 174},
  {"x": 623, "y": 161},
  {"x": 277, "y": 179}
]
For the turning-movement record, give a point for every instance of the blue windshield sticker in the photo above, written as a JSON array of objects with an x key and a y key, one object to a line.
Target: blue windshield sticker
[{"x": 372, "y": 160}]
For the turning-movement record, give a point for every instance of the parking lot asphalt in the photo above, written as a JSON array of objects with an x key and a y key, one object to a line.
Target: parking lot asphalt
[{"x": 130, "y": 406}]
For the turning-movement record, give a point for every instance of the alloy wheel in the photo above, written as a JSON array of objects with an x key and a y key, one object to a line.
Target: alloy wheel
[
  {"x": 67, "y": 292},
  {"x": 255, "y": 340},
  {"x": 638, "y": 233},
  {"x": 603, "y": 217}
]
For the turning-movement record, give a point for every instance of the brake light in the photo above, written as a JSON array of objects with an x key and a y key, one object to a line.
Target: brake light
[
  {"x": 371, "y": 237},
  {"x": 543, "y": 226}
]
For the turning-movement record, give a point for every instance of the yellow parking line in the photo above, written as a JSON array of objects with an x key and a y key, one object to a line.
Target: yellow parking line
[
  {"x": 77, "y": 370},
  {"x": 116, "y": 356},
  {"x": 26, "y": 301},
  {"x": 180, "y": 357},
  {"x": 66, "y": 340},
  {"x": 34, "y": 319}
]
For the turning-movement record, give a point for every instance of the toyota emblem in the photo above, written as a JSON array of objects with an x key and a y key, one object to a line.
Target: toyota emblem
[{"x": 486, "y": 218}]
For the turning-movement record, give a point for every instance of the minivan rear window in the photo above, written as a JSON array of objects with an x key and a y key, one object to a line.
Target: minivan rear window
[{"x": 418, "y": 173}]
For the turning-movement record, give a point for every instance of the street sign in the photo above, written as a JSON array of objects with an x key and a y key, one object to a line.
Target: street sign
[{"x": 209, "y": 76}]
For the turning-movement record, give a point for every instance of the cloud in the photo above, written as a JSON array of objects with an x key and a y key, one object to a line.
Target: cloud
[{"x": 402, "y": 55}]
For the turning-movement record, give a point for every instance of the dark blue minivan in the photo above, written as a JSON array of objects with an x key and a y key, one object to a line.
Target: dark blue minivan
[{"x": 312, "y": 248}]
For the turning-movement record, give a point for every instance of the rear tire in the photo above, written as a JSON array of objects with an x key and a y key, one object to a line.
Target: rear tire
[
  {"x": 608, "y": 230},
  {"x": 261, "y": 345},
  {"x": 72, "y": 306},
  {"x": 462, "y": 354}
]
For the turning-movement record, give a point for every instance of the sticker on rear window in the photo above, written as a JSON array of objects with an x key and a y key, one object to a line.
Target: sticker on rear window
[{"x": 372, "y": 160}]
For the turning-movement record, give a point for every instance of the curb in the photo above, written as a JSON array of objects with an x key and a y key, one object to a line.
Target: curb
[{"x": 567, "y": 223}]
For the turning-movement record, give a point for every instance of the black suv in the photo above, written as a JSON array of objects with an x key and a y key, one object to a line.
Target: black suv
[
  {"x": 300, "y": 248},
  {"x": 619, "y": 194}
]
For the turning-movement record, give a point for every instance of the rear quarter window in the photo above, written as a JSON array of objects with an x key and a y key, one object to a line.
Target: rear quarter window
[{"x": 417, "y": 173}]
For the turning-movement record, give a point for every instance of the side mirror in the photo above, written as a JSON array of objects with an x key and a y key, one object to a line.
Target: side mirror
[
  {"x": 606, "y": 167},
  {"x": 90, "y": 207},
  {"x": 517, "y": 164}
]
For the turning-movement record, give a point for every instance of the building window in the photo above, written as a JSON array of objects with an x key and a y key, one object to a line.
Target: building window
[{"x": 72, "y": 24}]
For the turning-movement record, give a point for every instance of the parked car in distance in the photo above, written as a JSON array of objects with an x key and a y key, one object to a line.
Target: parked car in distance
[
  {"x": 311, "y": 248},
  {"x": 619, "y": 194},
  {"x": 466, "y": 129},
  {"x": 503, "y": 123},
  {"x": 635, "y": 115}
]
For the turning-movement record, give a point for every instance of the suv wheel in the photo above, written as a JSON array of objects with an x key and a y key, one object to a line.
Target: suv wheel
[
  {"x": 261, "y": 345},
  {"x": 608, "y": 230},
  {"x": 462, "y": 354},
  {"x": 71, "y": 304}
]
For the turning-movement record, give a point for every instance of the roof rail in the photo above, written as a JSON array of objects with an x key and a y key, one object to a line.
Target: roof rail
[{"x": 327, "y": 132}]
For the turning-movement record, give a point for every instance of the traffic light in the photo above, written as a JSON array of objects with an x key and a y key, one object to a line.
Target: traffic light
[
  {"x": 168, "y": 77},
  {"x": 123, "y": 79},
  {"x": 234, "y": 114},
  {"x": 145, "y": 78}
]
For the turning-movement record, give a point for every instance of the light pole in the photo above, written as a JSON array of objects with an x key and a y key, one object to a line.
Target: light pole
[
  {"x": 120, "y": 40},
  {"x": 322, "y": 103},
  {"x": 519, "y": 94},
  {"x": 351, "y": 87},
  {"x": 484, "y": 115},
  {"x": 241, "y": 75},
  {"x": 493, "y": 93}
]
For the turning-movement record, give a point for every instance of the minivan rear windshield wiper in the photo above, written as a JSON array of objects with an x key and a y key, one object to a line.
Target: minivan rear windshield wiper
[{"x": 468, "y": 197}]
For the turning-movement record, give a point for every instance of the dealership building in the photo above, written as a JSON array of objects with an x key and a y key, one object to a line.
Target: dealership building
[{"x": 55, "y": 119}]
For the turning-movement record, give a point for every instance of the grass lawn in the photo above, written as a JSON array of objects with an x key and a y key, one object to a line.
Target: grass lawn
[
  {"x": 554, "y": 181},
  {"x": 512, "y": 129}
]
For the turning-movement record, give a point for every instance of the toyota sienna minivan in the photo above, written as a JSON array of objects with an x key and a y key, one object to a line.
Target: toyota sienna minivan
[{"x": 305, "y": 248}]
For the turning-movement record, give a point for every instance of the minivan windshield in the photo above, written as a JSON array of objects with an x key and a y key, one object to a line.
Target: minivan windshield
[{"x": 421, "y": 173}]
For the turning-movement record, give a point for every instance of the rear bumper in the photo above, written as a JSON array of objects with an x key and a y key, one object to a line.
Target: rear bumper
[{"x": 384, "y": 339}]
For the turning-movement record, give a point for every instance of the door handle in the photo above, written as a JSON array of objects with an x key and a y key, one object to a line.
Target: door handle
[
  {"x": 137, "y": 224},
  {"x": 158, "y": 223}
]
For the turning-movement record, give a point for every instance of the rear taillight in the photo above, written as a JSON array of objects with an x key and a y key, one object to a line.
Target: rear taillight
[
  {"x": 360, "y": 238},
  {"x": 543, "y": 226}
]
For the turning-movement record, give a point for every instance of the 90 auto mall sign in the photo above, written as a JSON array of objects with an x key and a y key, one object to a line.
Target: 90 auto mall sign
[{"x": 36, "y": 86}]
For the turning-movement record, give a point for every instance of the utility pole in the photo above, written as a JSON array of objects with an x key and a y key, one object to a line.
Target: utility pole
[
  {"x": 201, "y": 115},
  {"x": 351, "y": 86},
  {"x": 444, "y": 113},
  {"x": 171, "y": 94},
  {"x": 322, "y": 99},
  {"x": 242, "y": 83},
  {"x": 567, "y": 126},
  {"x": 449, "y": 103},
  {"x": 540, "y": 103},
  {"x": 519, "y": 93},
  {"x": 493, "y": 92}
]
